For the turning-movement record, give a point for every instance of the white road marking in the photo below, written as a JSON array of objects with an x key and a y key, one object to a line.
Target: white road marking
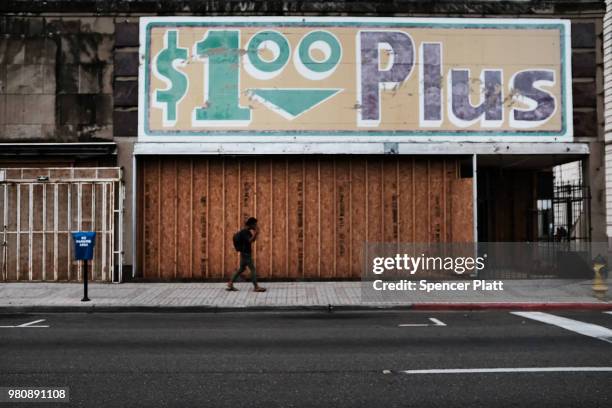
[
  {"x": 32, "y": 324},
  {"x": 435, "y": 322},
  {"x": 610, "y": 312},
  {"x": 26, "y": 325},
  {"x": 587, "y": 329},
  {"x": 507, "y": 370}
]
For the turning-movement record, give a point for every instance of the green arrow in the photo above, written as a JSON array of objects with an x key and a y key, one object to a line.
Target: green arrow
[{"x": 292, "y": 102}]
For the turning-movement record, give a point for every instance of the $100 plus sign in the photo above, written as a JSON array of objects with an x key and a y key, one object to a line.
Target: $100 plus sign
[{"x": 413, "y": 77}]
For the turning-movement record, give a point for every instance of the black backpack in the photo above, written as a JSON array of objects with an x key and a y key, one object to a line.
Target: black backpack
[{"x": 237, "y": 239}]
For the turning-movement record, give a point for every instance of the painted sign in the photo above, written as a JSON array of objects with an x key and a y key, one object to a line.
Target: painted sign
[{"x": 354, "y": 79}]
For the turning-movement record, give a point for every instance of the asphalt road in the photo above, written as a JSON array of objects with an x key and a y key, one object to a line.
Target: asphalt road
[{"x": 340, "y": 359}]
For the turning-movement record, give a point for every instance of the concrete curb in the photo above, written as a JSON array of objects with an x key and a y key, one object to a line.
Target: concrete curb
[
  {"x": 193, "y": 309},
  {"x": 604, "y": 306}
]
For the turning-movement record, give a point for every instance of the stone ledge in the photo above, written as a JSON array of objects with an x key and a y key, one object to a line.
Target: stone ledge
[{"x": 276, "y": 7}]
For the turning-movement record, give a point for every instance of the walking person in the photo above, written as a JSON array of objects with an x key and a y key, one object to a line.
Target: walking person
[{"x": 243, "y": 240}]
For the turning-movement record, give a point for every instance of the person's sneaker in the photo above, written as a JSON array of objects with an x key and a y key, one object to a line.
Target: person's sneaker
[
  {"x": 231, "y": 288},
  {"x": 259, "y": 289}
]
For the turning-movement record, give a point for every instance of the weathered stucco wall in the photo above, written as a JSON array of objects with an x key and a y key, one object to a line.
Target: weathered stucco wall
[{"x": 56, "y": 78}]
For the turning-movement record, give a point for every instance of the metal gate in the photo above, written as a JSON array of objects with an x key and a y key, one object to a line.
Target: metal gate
[
  {"x": 571, "y": 206},
  {"x": 40, "y": 207}
]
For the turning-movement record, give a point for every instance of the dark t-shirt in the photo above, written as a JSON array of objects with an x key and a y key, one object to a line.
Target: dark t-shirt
[{"x": 245, "y": 239}]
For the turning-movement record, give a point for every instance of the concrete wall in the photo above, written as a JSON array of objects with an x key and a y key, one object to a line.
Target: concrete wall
[
  {"x": 56, "y": 79},
  {"x": 607, "y": 51},
  {"x": 568, "y": 173}
]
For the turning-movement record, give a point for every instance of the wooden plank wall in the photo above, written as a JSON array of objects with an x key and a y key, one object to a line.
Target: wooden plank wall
[{"x": 315, "y": 213}]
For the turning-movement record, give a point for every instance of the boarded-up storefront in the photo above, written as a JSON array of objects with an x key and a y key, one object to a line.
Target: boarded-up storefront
[
  {"x": 315, "y": 213},
  {"x": 332, "y": 132}
]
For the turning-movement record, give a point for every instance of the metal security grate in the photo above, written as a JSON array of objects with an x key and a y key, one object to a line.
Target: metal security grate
[
  {"x": 40, "y": 207},
  {"x": 571, "y": 208}
]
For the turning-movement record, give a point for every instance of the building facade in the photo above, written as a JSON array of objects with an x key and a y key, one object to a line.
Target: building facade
[
  {"x": 336, "y": 152},
  {"x": 607, "y": 49}
]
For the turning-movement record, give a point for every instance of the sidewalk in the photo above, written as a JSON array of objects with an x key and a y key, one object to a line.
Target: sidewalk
[{"x": 200, "y": 296}]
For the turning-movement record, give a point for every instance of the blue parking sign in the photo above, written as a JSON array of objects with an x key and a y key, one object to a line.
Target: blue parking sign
[{"x": 83, "y": 245}]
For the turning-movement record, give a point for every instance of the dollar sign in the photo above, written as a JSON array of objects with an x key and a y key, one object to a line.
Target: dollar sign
[{"x": 166, "y": 65}]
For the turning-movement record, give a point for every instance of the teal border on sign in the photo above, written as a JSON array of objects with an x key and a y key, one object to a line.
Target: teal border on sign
[{"x": 361, "y": 23}]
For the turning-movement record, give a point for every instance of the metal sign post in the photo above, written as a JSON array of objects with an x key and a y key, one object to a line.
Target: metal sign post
[{"x": 84, "y": 243}]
